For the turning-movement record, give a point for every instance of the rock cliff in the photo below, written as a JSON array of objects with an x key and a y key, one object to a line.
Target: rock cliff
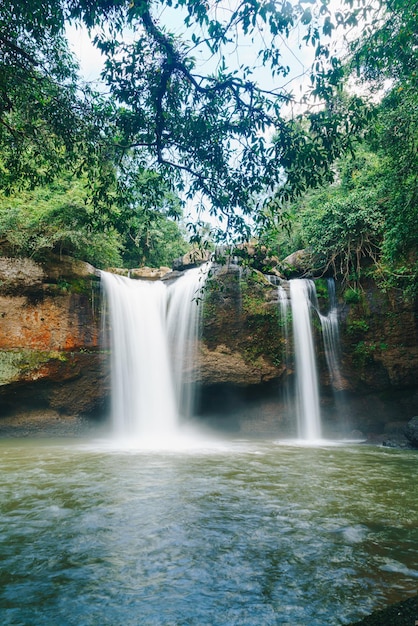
[
  {"x": 244, "y": 369},
  {"x": 53, "y": 366},
  {"x": 50, "y": 358}
]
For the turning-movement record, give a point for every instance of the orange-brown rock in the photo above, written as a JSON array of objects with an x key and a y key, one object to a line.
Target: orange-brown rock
[
  {"x": 60, "y": 322},
  {"x": 49, "y": 337}
]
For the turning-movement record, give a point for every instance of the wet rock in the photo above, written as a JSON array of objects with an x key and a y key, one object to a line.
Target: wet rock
[
  {"x": 141, "y": 273},
  {"x": 411, "y": 432},
  {"x": 50, "y": 358},
  {"x": 401, "y": 614},
  {"x": 60, "y": 268},
  {"x": 223, "y": 365},
  {"x": 45, "y": 422},
  {"x": 150, "y": 273},
  {"x": 298, "y": 264},
  {"x": 19, "y": 273},
  {"x": 119, "y": 271},
  {"x": 238, "y": 344}
]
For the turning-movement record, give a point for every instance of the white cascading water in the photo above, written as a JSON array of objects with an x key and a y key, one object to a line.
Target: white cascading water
[
  {"x": 302, "y": 291},
  {"x": 284, "y": 307},
  {"x": 330, "y": 333},
  {"x": 147, "y": 372},
  {"x": 183, "y": 323},
  {"x": 331, "y": 337}
]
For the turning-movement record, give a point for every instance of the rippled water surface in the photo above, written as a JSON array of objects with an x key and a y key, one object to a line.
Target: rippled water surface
[{"x": 245, "y": 533}]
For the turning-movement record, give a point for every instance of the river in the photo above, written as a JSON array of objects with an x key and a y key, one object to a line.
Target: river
[{"x": 223, "y": 533}]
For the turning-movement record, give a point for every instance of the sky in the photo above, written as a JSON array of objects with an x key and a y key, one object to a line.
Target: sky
[{"x": 299, "y": 58}]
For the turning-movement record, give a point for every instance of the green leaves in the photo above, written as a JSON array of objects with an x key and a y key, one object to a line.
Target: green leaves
[{"x": 170, "y": 124}]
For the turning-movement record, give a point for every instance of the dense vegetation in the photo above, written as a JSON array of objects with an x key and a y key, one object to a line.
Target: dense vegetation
[
  {"x": 101, "y": 175},
  {"x": 365, "y": 221}
]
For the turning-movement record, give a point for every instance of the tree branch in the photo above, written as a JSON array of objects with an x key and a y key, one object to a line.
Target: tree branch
[{"x": 18, "y": 50}]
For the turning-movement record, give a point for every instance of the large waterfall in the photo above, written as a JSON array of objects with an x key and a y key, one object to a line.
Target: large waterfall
[{"x": 153, "y": 329}]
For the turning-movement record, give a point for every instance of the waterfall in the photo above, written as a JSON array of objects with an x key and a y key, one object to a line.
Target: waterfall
[
  {"x": 302, "y": 292},
  {"x": 331, "y": 338},
  {"x": 183, "y": 324},
  {"x": 153, "y": 331},
  {"x": 330, "y": 333},
  {"x": 284, "y": 307}
]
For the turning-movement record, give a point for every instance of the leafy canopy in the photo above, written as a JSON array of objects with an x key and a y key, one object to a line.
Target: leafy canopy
[
  {"x": 204, "y": 132},
  {"x": 170, "y": 124}
]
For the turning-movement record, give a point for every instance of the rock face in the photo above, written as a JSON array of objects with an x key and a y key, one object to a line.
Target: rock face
[
  {"x": 241, "y": 344},
  {"x": 244, "y": 346},
  {"x": 52, "y": 362},
  {"x": 49, "y": 337}
]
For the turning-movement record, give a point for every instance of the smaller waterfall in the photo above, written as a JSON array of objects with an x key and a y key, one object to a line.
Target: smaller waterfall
[
  {"x": 302, "y": 292},
  {"x": 331, "y": 338},
  {"x": 330, "y": 333},
  {"x": 183, "y": 324}
]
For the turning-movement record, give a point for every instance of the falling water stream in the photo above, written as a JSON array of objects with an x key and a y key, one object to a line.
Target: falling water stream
[
  {"x": 143, "y": 393},
  {"x": 153, "y": 329},
  {"x": 330, "y": 333},
  {"x": 307, "y": 396}
]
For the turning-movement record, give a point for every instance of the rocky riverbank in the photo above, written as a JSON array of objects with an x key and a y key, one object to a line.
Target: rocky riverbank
[{"x": 401, "y": 614}]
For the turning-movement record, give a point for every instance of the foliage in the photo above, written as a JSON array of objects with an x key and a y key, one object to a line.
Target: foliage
[
  {"x": 56, "y": 218},
  {"x": 367, "y": 218},
  {"x": 352, "y": 296},
  {"x": 388, "y": 45},
  {"x": 42, "y": 111},
  {"x": 395, "y": 139},
  {"x": 343, "y": 231},
  {"x": 59, "y": 218},
  {"x": 171, "y": 126},
  {"x": 388, "y": 51},
  {"x": 206, "y": 133}
]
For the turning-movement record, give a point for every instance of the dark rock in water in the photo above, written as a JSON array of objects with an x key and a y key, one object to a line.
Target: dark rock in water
[
  {"x": 400, "y": 614},
  {"x": 394, "y": 443},
  {"x": 411, "y": 431}
]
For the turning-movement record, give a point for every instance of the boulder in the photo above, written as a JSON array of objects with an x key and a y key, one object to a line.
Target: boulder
[
  {"x": 298, "y": 264},
  {"x": 19, "y": 273},
  {"x": 194, "y": 258},
  {"x": 222, "y": 365},
  {"x": 50, "y": 353},
  {"x": 141, "y": 273},
  {"x": 149, "y": 273}
]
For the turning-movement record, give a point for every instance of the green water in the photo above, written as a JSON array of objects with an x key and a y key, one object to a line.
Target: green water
[{"x": 240, "y": 533}]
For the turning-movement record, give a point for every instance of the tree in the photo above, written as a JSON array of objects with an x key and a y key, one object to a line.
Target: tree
[
  {"x": 387, "y": 53},
  {"x": 214, "y": 128},
  {"x": 344, "y": 224},
  {"x": 203, "y": 133},
  {"x": 41, "y": 110},
  {"x": 57, "y": 218},
  {"x": 60, "y": 218},
  {"x": 388, "y": 47},
  {"x": 207, "y": 133}
]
